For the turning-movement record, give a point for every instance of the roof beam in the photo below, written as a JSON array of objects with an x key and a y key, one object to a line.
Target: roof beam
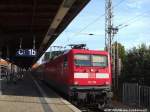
[{"x": 63, "y": 10}]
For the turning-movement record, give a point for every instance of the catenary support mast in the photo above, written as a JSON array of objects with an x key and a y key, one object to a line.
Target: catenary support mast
[
  {"x": 108, "y": 25},
  {"x": 110, "y": 31}
]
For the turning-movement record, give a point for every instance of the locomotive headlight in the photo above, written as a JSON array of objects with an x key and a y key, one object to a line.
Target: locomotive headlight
[
  {"x": 76, "y": 83},
  {"x": 92, "y": 70},
  {"x": 107, "y": 83}
]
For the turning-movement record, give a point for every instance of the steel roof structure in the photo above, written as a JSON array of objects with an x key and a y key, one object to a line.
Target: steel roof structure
[{"x": 22, "y": 21}]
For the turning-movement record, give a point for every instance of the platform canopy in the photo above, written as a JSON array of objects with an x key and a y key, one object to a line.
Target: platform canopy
[{"x": 22, "y": 21}]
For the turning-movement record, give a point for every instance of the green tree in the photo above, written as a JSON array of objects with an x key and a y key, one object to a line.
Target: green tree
[
  {"x": 121, "y": 50},
  {"x": 137, "y": 64}
]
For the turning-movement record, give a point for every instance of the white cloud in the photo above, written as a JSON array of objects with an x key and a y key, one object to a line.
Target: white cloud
[
  {"x": 134, "y": 4},
  {"x": 137, "y": 3}
]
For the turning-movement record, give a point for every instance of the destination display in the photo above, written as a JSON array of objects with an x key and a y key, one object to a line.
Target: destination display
[{"x": 26, "y": 53}]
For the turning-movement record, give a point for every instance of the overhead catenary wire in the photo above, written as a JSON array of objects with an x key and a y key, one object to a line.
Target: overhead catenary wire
[
  {"x": 93, "y": 22},
  {"x": 98, "y": 18},
  {"x": 121, "y": 1},
  {"x": 120, "y": 26},
  {"x": 132, "y": 20}
]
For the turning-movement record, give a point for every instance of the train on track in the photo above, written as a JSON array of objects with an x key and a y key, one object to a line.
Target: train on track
[{"x": 81, "y": 74}]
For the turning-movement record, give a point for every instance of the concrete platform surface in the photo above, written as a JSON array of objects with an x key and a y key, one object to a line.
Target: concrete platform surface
[{"x": 27, "y": 95}]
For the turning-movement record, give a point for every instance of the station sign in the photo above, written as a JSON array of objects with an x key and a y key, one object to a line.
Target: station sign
[{"x": 26, "y": 53}]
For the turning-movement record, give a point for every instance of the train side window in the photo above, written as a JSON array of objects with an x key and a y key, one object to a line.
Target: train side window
[{"x": 65, "y": 62}]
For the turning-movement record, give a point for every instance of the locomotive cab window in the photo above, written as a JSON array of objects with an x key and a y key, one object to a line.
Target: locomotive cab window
[
  {"x": 82, "y": 60},
  {"x": 90, "y": 60},
  {"x": 99, "y": 60}
]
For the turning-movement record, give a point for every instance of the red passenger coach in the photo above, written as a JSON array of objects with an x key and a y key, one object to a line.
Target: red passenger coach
[{"x": 83, "y": 75}]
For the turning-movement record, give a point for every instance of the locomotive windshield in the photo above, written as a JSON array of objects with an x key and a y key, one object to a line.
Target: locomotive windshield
[
  {"x": 98, "y": 60},
  {"x": 82, "y": 60},
  {"x": 90, "y": 60}
]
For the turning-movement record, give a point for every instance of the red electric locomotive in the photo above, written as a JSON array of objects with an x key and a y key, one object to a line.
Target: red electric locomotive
[{"x": 83, "y": 75}]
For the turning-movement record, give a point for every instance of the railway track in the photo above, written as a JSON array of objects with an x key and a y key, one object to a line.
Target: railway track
[
  {"x": 115, "y": 107},
  {"x": 89, "y": 108},
  {"x": 82, "y": 108}
]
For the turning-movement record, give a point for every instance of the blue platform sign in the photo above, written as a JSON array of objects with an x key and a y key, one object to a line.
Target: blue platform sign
[{"x": 26, "y": 53}]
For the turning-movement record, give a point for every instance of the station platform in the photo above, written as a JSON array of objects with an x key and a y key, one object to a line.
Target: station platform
[{"x": 28, "y": 95}]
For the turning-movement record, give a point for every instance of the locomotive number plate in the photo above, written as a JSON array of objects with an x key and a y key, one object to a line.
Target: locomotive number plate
[{"x": 92, "y": 75}]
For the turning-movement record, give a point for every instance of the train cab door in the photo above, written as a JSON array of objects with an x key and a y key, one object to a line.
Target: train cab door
[{"x": 65, "y": 69}]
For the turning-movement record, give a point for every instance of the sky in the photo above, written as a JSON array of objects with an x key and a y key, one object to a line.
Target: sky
[
  {"x": 134, "y": 13},
  {"x": 91, "y": 20}
]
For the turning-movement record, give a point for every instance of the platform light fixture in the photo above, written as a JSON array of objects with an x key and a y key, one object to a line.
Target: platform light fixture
[{"x": 20, "y": 46}]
